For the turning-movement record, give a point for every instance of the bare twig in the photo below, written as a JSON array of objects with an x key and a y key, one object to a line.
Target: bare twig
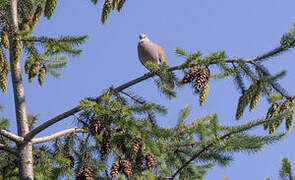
[
  {"x": 8, "y": 149},
  {"x": 11, "y": 136},
  {"x": 58, "y": 134}
]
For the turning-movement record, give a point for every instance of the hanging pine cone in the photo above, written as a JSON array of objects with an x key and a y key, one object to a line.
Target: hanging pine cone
[
  {"x": 3, "y": 74},
  {"x": 190, "y": 76},
  {"x": 38, "y": 12},
  {"x": 95, "y": 127},
  {"x": 139, "y": 161},
  {"x": 42, "y": 73},
  {"x": 204, "y": 94},
  {"x": 202, "y": 78},
  {"x": 136, "y": 144},
  {"x": 115, "y": 169},
  {"x": 150, "y": 161},
  {"x": 28, "y": 64},
  {"x": 86, "y": 156},
  {"x": 5, "y": 39},
  {"x": 17, "y": 45},
  {"x": 72, "y": 159},
  {"x": 35, "y": 68},
  {"x": 127, "y": 168},
  {"x": 106, "y": 10},
  {"x": 49, "y": 8},
  {"x": 105, "y": 148},
  {"x": 85, "y": 174}
]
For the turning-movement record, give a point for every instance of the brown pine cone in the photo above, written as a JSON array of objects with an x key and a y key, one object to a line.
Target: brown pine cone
[
  {"x": 139, "y": 161},
  {"x": 127, "y": 168},
  {"x": 115, "y": 169},
  {"x": 85, "y": 173},
  {"x": 72, "y": 159},
  {"x": 150, "y": 161},
  {"x": 95, "y": 127},
  {"x": 190, "y": 76},
  {"x": 136, "y": 144},
  {"x": 202, "y": 78},
  {"x": 105, "y": 148}
]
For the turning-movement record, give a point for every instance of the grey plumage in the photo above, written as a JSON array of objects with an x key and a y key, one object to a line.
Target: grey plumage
[{"x": 149, "y": 51}]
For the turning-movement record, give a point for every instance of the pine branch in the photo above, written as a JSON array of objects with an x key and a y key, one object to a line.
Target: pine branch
[
  {"x": 57, "y": 135},
  {"x": 8, "y": 149},
  {"x": 6, "y": 19},
  {"x": 274, "y": 86},
  {"x": 204, "y": 149},
  {"x": 11, "y": 136},
  {"x": 76, "y": 109},
  {"x": 148, "y": 75},
  {"x": 271, "y": 53}
]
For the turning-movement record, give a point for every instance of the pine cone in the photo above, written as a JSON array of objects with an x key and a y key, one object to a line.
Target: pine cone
[
  {"x": 86, "y": 156},
  {"x": 136, "y": 144},
  {"x": 95, "y": 127},
  {"x": 35, "y": 68},
  {"x": 190, "y": 76},
  {"x": 255, "y": 99},
  {"x": 202, "y": 78},
  {"x": 115, "y": 169},
  {"x": 245, "y": 99},
  {"x": 41, "y": 75},
  {"x": 269, "y": 115},
  {"x": 17, "y": 46},
  {"x": 274, "y": 125},
  {"x": 85, "y": 174},
  {"x": 37, "y": 14},
  {"x": 204, "y": 93},
  {"x": 5, "y": 39},
  {"x": 127, "y": 167},
  {"x": 3, "y": 74},
  {"x": 120, "y": 5},
  {"x": 139, "y": 161},
  {"x": 105, "y": 148},
  {"x": 28, "y": 64},
  {"x": 49, "y": 8},
  {"x": 72, "y": 159},
  {"x": 150, "y": 161},
  {"x": 106, "y": 10},
  {"x": 290, "y": 117}
]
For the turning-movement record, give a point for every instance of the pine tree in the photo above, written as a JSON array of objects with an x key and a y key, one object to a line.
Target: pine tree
[{"x": 117, "y": 134}]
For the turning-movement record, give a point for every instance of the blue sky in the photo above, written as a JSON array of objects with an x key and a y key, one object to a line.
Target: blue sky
[{"x": 243, "y": 29}]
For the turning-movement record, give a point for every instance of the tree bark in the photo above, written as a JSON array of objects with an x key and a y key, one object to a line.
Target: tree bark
[{"x": 25, "y": 148}]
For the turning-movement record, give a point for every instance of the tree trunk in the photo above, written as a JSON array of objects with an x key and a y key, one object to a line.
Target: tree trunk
[{"x": 25, "y": 148}]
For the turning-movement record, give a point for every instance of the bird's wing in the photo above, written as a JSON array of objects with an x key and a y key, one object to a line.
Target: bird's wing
[
  {"x": 162, "y": 54},
  {"x": 140, "y": 54}
]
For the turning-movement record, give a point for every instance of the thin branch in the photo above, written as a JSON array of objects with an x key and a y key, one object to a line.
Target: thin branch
[
  {"x": 273, "y": 52},
  {"x": 273, "y": 86},
  {"x": 76, "y": 109},
  {"x": 8, "y": 149},
  {"x": 52, "y": 121},
  {"x": 204, "y": 149},
  {"x": 11, "y": 136},
  {"x": 58, "y": 134},
  {"x": 133, "y": 98}
]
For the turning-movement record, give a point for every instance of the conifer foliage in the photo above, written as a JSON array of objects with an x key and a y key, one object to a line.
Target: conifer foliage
[
  {"x": 118, "y": 133},
  {"x": 285, "y": 172}
]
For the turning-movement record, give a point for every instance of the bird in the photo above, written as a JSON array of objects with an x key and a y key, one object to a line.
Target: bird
[{"x": 149, "y": 51}]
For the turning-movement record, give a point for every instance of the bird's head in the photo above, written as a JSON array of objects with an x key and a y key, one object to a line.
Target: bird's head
[{"x": 143, "y": 36}]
